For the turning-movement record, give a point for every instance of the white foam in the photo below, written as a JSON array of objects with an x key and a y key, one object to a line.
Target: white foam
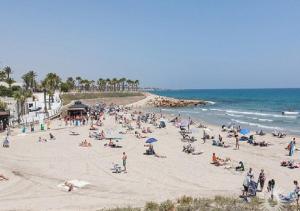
[
  {"x": 211, "y": 102},
  {"x": 259, "y": 114},
  {"x": 256, "y": 125}
]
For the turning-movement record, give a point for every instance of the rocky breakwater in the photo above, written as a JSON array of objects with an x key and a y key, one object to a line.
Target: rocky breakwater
[{"x": 172, "y": 102}]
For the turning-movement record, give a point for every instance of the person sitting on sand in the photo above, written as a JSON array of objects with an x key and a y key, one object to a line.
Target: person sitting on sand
[
  {"x": 51, "y": 136},
  {"x": 216, "y": 160},
  {"x": 6, "y": 143},
  {"x": 85, "y": 143},
  {"x": 69, "y": 185},
  {"x": 144, "y": 130},
  {"x": 139, "y": 135},
  {"x": 93, "y": 127},
  {"x": 102, "y": 135},
  {"x": 149, "y": 130},
  {"x": 220, "y": 138},
  {"x": 150, "y": 150},
  {"x": 111, "y": 143},
  {"x": 240, "y": 167},
  {"x": 2, "y": 177}
]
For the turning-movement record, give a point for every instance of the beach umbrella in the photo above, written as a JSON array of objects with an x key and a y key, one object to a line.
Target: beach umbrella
[
  {"x": 184, "y": 123},
  {"x": 194, "y": 130},
  {"x": 151, "y": 140},
  {"x": 244, "y": 131},
  {"x": 207, "y": 130},
  {"x": 162, "y": 120}
]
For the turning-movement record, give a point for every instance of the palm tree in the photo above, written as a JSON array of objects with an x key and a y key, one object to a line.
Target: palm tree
[
  {"x": 78, "y": 79},
  {"x": 108, "y": 83},
  {"x": 92, "y": 82},
  {"x": 7, "y": 71},
  {"x": 129, "y": 84},
  {"x": 51, "y": 83},
  {"x": 2, "y": 75},
  {"x": 136, "y": 84},
  {"x": 114, "y": 83},
  {"x": 21, "y": 96},
  {"x": 32, "y": 80},
  {"x": 26, "y": 80},
  {"x": 123, "y": 81},
  {"x": 102, "y": 84},
  {"x": 71, "y": 83}
]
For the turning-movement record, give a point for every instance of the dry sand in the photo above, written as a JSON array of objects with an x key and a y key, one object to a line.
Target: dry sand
[{"x": 35, "y": 169}]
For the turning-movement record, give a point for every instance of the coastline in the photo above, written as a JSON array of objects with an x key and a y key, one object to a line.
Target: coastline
[{"x": 35, "y": 169}]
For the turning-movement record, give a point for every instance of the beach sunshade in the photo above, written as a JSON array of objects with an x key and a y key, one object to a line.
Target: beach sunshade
[
  {"x": 151, "y": 140},
  {"x": 207, "y": 130},
  {"x": 184, "y": 123},
  {"x": 162, "y": 120},
  {"x": 244, "y": 131},
  {"x": 194, "y": 130}
]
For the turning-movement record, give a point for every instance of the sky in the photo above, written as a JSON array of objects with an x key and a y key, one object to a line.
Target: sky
[{"x": 185, "y": 44}]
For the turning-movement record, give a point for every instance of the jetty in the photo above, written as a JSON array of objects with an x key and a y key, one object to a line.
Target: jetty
[{"x": 172, "y": 102}]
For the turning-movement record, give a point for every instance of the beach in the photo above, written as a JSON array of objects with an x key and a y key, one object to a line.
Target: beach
[{"x": 36, "y": 169}]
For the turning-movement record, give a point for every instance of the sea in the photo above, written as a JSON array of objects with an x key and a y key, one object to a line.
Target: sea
[{"x": 255, "y": 109}]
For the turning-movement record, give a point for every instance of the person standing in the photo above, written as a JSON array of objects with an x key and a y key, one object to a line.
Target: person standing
[
  {"x": 261, "y": 179},
  {"x": 271, "y": 187},
  {"x": 124, "y": 158},
  {"x": 246, "y": 184},
  {"x": 237, "y": 144},
  {"x": 292, "y": 147}
]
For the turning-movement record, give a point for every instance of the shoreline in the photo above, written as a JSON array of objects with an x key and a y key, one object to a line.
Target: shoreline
[{"x": 253, "y": 126}]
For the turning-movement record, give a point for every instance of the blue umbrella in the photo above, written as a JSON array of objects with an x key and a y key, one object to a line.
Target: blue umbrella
[
  {"x": 151, "y": 140},
  {"x": 244, "y": 131}
]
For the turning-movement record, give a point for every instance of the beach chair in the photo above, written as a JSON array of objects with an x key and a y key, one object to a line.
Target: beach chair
[{"x": 116, "y": 168}]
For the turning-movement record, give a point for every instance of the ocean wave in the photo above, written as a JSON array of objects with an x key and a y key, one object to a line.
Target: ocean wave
[
  {"x": 234, "y": 115},
  {"x": 204, "y": 109},
  {"x": 258, "y": 119},
  {"x": 216, "y": 109},
  {"x": 211, "y": 102},
  {"x": 259, "y": 114},
  {"x": 265, "y": 120},
  {"x": 256, "y": 125}
]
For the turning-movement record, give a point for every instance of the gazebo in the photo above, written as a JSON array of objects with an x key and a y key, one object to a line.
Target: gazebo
[
  {"x": 4, "y": 120},
  {"x": 78, "y": 109}
]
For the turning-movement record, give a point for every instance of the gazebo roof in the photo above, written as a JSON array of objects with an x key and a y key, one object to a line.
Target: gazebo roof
[
  {"x": 4, "y": 113},
  {"x": 78, "y": 106}
]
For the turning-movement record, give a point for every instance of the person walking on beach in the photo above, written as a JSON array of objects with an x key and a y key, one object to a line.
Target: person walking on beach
[
  {"x": 271, "y": 187},
  {"x": 124, "y": 158},
  {"x": 261, "y": 179},
  {"x": 237, "y": 144}
]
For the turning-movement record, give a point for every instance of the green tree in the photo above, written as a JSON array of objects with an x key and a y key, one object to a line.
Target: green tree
[
  {"x": 2, "y": 75},
  {"x": 3, "y": 106},
  {"x": 51, "y": 83},
  {"x": 21, "y": 96},
  {"x": 7, "y": 71},
  {"x": 71, "y": 83}
]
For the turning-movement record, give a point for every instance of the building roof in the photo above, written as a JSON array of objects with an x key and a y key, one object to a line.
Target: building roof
[
  {"x": 4, "y": 113},
  {"x": 78, "y": 106}
]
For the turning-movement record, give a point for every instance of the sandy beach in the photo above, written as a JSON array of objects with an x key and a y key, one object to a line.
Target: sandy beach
[{"x": 36, "y": 169}]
